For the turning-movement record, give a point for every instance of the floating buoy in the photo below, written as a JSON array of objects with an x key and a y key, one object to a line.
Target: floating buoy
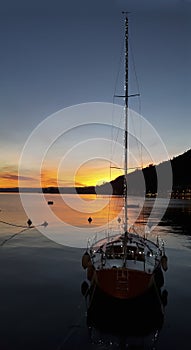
[
  {"x": 85, "y": 260},
  {"x": 89, "y": 220},
  {"x": 164, "y": 263},
  {"x": 45, "y": 224},
  {"x": 29, "y": 222}
]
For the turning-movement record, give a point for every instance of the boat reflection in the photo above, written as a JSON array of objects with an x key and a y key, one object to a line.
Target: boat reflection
[{"x": 132, "y": 324}]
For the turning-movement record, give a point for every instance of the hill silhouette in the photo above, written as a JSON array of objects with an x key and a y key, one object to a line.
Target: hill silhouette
[{"x": 169, "y": 177}]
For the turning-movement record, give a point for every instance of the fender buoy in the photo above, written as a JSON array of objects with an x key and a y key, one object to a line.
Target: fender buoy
[
  {"x": 84, "y": 288},
  {"x": 90, "y": 271},
  {"x": 85, "y": 260},
  {"x": 164, "y": 263}
]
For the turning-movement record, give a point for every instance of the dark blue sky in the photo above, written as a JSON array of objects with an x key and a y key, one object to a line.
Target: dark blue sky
[{"x": 55, "y": 54}]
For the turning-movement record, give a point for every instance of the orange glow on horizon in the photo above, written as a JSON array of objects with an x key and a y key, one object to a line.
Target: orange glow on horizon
[
  {"x": 91, "y": 173},
  {"x": 95, "y": 173}
]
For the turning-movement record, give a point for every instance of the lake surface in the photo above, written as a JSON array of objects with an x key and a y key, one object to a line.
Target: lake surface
[{"x": 42, "y": 306}]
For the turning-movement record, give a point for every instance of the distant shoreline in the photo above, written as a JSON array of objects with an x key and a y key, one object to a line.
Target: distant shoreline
[
  {"x": 176, "y": 194},
  {"x": 52, "y": 190}
]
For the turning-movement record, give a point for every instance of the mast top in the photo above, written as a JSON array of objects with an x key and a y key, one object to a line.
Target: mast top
[{"x": 125, "y": 12}]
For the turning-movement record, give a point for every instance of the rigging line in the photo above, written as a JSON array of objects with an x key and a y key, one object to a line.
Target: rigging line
[
  {"x": 119, "y": 67},
  {"x": 113, "y": 144},
  {"x": 114, "y": 139},
  {"x": 110, "y": 163},
  {"x": 113, "y": 148},
  {"x": 115, "y": 89},
  {"x": 109, "y": 206},
  {"x": 133, "y": 168},
  {"x": 139, "y": 144},
  {"x": 135, "y": 73},
  {"x": 117, "y": 203},
  {"x": 115, "y": 86},
  {"x": 118, "y": 129}
]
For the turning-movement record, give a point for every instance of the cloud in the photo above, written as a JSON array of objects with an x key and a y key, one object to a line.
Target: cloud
[
  {"x": 15, "y": 177},
  {"x": 79, "y": 184},
  {"x": 9, "y": 177}
]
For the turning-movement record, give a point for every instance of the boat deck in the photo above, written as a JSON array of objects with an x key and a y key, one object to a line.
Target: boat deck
[
  {"x": 141, "y": 255},
  {"x": 146, "y": 266}
]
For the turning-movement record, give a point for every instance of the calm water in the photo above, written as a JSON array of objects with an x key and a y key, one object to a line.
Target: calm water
[{"x": 41, "y": 302}]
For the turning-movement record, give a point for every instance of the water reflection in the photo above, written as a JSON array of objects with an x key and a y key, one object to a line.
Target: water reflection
[
  {"x": 174, "y": 226},
  {"x": 177, "y": 215},
  {"x": 134, "y": 324},
  {"x": 75, "y": 210}
]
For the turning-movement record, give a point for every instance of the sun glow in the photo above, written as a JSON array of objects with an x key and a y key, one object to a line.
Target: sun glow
[{"x": 95, "y": 172}]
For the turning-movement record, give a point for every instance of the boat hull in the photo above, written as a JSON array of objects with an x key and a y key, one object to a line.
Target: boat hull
[
  {"x": 122, "y": 283},
  {"x": 104, "y": 313}
]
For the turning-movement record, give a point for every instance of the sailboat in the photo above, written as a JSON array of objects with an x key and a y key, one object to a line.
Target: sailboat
[{"x": 125, "y": 265}]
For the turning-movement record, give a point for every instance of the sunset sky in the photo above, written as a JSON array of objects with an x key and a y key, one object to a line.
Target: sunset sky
[{"x": 59, "y": 54}]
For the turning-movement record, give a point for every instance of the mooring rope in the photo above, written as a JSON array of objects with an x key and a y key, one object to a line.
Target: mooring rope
[
  {"x": 25, "y": 228},
  {"x": 15, "y": 225},
  {"x": 15, "y": 234}
]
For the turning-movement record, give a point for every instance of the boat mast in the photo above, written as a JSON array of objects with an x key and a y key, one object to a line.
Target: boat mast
[{"x": 126, "y": 125}]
